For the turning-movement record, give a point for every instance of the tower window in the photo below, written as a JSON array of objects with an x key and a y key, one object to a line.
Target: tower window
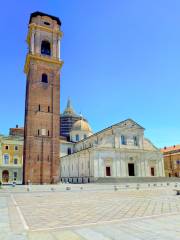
[
  {"x": 39, "y": 107},
  {"x": 48, "y": 132},
  {"x": 44, "y": 78},
  {"x": 48, "y": 108},
  {"x": 46, "y": 23},
  {"x": 38, "y": 132},
  {"x": 45, "y": 48}
]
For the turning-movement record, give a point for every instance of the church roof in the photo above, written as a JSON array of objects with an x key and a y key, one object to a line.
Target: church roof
[
  {"x": 35, "y": 14},
  {"x": 166, "y": 150},
  {"x": 122, "y": 123}
]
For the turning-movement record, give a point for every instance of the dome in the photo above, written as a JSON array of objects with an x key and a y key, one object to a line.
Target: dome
[{"x": 81, "y": 125}]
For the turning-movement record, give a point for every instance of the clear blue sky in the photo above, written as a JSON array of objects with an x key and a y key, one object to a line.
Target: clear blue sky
[{"x": 121, "y": 60}]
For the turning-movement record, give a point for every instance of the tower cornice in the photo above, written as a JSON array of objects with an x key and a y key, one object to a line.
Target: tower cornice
[{"x": 30, "y": 57}]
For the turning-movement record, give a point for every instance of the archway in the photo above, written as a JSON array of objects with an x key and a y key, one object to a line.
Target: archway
[
  {"x": 45, "y": 48},
  {"x": 5, "y": 176}
]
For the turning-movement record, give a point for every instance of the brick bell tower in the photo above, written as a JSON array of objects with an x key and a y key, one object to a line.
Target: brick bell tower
[{"x": 42, "y": 105}]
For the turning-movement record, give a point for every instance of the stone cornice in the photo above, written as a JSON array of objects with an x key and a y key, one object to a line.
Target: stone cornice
[{"x": 30, "y": 57}]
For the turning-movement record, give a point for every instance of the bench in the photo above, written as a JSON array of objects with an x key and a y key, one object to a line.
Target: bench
[{"x": 177, "y": 191}]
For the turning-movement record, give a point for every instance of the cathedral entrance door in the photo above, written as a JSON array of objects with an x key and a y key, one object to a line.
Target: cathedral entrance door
[
  {"x": 108, "y": 171},
  {"x": 131, "y": 169},
  {"x": 152, "y": 171}
]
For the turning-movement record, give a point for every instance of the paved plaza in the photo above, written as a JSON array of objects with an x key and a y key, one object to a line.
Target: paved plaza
[{"x": 91, "y": 211}]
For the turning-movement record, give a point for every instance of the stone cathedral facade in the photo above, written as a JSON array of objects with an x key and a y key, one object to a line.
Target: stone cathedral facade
[
  {"x": 42, "y": 105},
  {"x": 120, "y": 150}
]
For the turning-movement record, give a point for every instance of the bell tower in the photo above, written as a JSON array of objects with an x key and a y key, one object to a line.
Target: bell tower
[{"x": 42, "y": 104}]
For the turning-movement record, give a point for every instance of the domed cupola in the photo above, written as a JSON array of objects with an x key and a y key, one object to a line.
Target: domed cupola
[{"x": 80, "y": 130}]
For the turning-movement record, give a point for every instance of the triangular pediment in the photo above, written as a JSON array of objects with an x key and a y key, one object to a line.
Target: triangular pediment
[{"x": 128, "y": 123}]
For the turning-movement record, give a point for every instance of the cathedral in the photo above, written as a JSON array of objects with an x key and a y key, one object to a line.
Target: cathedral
[
  {"x": 64, "y": 147},
  {"x": 120, "y": 150}
]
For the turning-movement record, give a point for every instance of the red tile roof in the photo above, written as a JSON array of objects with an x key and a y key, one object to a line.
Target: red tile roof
[{"x": 170, "y": 149}]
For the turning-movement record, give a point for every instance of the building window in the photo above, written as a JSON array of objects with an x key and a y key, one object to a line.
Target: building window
[
  {"x": 77, "y": 137},
  {"x": 48, "y": 108},
  {"x": 48, "y": 133},
  {"x": 44, "y": 78},
  {"x": 16, "y": 148},
  {"x": 6, "y": 159},
  {"x": 38, "y": 132},
  {"x": 135, "y": 139},
  {"x": 15, "y": 175},
  {"x": 15, "y": 161},
  {"x": 6, "y": 147},
  {"x": 85, "y": 136},
  {"x": 39, "y": 107},
  {"x": 69, "y": 151},
  {"x": 123, "y": 140},
  {"x": 45, "y": 48}
]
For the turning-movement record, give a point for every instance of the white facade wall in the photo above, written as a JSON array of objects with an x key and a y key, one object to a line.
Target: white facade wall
[{"x": 106, "y": 150}]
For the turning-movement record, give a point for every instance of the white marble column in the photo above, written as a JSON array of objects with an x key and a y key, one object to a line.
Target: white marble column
[
  {"x": 32, "y": 42},
  {"x": 58, "y": 50}
]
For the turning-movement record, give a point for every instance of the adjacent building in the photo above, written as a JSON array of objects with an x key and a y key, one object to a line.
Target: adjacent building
[
  {"x": 120, "y": 150},
  {"x": 11, "y": 159},
  {"x": 171, "y": 160}
]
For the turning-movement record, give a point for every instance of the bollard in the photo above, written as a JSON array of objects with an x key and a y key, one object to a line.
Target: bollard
[{"x": 68, "y": 188}]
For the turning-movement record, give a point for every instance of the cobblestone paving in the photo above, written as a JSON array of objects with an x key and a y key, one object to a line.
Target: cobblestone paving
[
  {"x": 89, "y": 215},
  {"x": 77, "y": 208}
]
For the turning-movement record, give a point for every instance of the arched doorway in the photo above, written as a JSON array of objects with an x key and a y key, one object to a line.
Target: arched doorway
[{"x": 5, "y": 176}]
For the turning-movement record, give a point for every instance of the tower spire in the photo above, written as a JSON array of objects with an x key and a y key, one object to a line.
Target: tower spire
[{"x": 69, "y": 104}]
